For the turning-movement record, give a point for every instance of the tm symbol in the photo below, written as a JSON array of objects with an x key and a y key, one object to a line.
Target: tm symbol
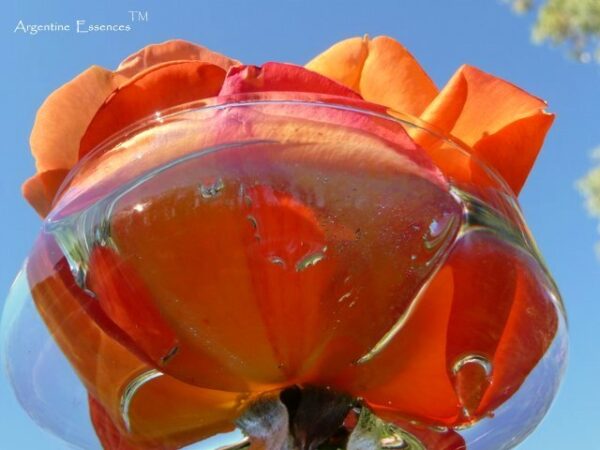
[{"x": 138, "y": 16}]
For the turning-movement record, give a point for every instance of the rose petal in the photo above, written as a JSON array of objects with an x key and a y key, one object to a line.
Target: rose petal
[
  {"x": 63, "y": 117},
  {"x": 164, "y": 410},
  {"x": 528, "y": 332},
  {"x": 168, "y": 51},
  {"x": 274, "y": 76},
  {"x": 502, "y": 312},
  {"x": 381, "y": 70},
  {"x": 40, "y": 189},
  {"x": 273, "y": 120},
  {"x": 343, "y": 62},
  {"x": 504, "y": 125},
  {"x": 409, "y": 376},
  {"x": 110, "y": 436},
  {"x": 151, "y": 91},
  {"x": 123, "y": 299}
]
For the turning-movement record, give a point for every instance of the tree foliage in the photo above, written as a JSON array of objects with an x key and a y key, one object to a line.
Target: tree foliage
[
  {"x": 590, "y": 187},
  {"x": 573, "y": 23},
  {"x": 576, "y": 25}
]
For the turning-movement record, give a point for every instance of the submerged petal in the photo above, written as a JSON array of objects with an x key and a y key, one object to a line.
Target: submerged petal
[
  {"x": 409, "y": 378},
  {"x": 164, "y": 411}
]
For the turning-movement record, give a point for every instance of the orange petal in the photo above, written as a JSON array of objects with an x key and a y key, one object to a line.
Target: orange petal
[
  {"x": 163, "y": 410},
  {"x": 381, "y": 70},
  {"x": 168, "y": 51},
  {"x": 343, "y": 62},
  {"x": 409, "y": 376},
  {"x": 40, "y": 189},
  {"x": 63, "y": 117},
  {"x": 504, "y": 125},
  {"x": 152, "y": 91}
]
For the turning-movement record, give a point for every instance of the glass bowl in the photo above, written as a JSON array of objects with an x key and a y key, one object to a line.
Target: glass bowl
[{"x": 284, "y": 272}]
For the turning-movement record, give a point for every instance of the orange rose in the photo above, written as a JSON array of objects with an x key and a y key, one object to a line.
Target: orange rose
[{"x": 421, "y": 294}]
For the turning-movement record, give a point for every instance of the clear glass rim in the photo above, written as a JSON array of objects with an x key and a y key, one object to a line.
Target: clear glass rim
[{"x": 286, "y": 99}]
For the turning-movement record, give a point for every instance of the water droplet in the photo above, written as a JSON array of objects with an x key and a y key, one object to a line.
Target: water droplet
[
  {"x": 170, "y": 354},
  {"x": 254, "y": 224},
  {"x": 310, "y": 260},
  {"x": 438, "y": 231},
  {"x": 130, "y": 391},
  {"x": 395, "y": 441},
  {"x": 277, "y": 260},
  {"x": 413, "y": 257},
  {"x": 472, "y": 377},
  {"x": 344, "y": 297},
  {"x": 213, "y": 189},
  {"x": 473, "y": 359},
  {"x": 439, "y": 428},
  {"x": 252, "y": 221},
  {"x": 434, "y": 227}
]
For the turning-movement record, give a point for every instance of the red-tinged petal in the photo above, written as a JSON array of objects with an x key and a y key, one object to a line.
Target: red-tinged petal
[
  {"x": 287, "y": 242},
  {"x": 40, "y": 189},
  {"x": 162, "y": 410},
  {"x": 64, "y": 116},
  {"x": 502, "y": 124},
  {"x": 281, "y": 77},
  {"x": 191, "y": 255},
  {"x": 123, "y": 298},
  {"x": 109, "y": 435},
  {"x": 188, "y": 232},
  {"x": 408, "y": 378},
  {"x": 484, "y": 278},
  {"x": 278, "y": 122},
  {"x": 501, "y": 299},
  {"x": 152, "y": 91},
  {"x": 381, "y": 70},
  {"x": 528, "y": 333},
  {"x": 168, "y": 51},
  {"x": 485, "y": 275}
]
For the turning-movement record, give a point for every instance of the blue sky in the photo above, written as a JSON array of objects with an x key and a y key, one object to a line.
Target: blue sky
[{"x": 441, "y": 34}]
